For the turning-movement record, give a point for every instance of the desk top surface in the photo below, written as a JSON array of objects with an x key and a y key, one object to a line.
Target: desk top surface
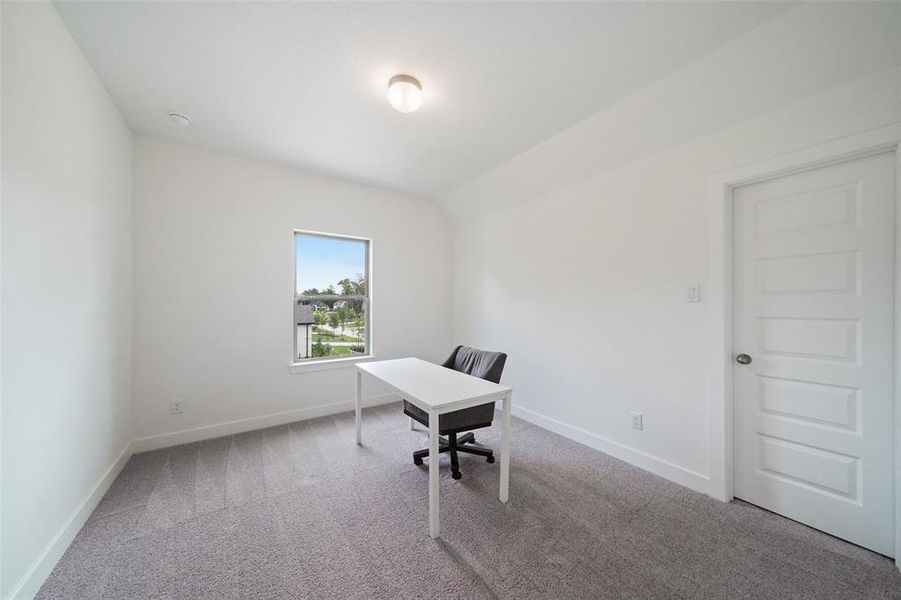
[{"x": 432, "y": 385}]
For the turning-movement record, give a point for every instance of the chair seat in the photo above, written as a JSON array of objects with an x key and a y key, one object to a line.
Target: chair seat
[{"x": 467, "y": 419}]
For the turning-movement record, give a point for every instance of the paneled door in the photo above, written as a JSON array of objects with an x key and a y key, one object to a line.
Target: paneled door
[{"x": 813, "y": 295}]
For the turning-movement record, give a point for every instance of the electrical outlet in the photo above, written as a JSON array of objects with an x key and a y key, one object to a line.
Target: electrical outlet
[
  {"x": 176, "y": 406},
  {"x": 636, "y": 420}
]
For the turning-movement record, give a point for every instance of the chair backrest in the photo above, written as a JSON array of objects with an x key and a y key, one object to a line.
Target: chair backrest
[{"x": 478, "y": 363}]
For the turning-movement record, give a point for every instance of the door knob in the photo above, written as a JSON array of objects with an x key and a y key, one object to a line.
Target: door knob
[{"x": 743, "y": 359}]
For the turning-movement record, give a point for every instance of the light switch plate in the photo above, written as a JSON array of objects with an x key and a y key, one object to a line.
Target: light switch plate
[{"x": 694, "y": 293}]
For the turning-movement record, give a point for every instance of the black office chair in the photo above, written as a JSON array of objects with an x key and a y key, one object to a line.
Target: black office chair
[{"x": 478, "y": 363}]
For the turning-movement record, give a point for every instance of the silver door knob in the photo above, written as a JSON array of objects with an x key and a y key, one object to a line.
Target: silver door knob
[{"x": 743, "y": 359}]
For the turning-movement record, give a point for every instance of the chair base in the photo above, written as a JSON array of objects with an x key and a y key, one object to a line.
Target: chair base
[{"x": 465, "y": 443}]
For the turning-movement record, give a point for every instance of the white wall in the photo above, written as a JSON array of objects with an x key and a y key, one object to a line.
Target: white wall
[
  {"x": 804, "y": 51},
  {"x": 66, "y": 297},
  {"x": 583, "y": 284},
  {"x": 214, "y": 285}
]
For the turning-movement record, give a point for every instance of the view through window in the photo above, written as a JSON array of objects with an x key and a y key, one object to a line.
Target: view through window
[{"x": 331, "y": 304}]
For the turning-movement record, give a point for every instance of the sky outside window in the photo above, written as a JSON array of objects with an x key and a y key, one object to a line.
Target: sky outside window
[{"x": 324, "y": 261}]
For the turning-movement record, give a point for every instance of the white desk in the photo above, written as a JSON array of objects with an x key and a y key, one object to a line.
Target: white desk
[{"x": 438, "y": 390}]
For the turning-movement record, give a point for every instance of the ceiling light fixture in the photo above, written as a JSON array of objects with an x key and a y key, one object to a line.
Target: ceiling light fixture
[
  {"x": 179, "y": 119},
  {"x": 404, "y": 93}
]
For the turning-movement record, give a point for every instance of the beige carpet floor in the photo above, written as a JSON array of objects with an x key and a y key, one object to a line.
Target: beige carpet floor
[{"x": 300, "y": 511}]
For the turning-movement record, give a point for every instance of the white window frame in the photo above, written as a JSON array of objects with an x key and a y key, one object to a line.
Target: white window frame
[{"x": 316, "y": 363}]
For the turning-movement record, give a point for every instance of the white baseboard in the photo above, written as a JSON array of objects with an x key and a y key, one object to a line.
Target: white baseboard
[
  {"x": 41, "y": 568},
  {"x": 206, "y": 432},
  {"x": 642, "y": 460}
]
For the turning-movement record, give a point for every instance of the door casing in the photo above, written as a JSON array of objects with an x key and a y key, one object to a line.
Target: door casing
[{"x": 719, "y": 291}]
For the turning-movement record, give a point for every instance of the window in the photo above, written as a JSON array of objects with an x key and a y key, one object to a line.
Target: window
[{"x": 331, "y": 296}]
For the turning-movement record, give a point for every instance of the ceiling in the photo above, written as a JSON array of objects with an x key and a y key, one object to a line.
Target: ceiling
[{"x": 303, "y": 84}]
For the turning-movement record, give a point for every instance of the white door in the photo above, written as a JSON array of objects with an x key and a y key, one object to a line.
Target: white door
[{"x": 813, "y": 309}]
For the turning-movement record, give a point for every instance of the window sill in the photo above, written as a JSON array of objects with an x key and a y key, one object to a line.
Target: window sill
[{"x": 329, "y": 364}]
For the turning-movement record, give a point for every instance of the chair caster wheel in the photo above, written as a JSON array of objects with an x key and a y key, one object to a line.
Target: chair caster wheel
[
  {"x": 490, "y": 459},
  {"x": 456, "y": 474},
  {"x": 417, "y": 461}
]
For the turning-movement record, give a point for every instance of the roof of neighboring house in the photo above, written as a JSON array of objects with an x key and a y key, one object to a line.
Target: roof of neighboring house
[{"x": 304, "y": 314}]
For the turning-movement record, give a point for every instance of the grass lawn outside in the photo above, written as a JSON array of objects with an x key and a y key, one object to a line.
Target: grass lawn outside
[
  {"x": 330, "y": 337},
  {"x": 342, "y": 350}
]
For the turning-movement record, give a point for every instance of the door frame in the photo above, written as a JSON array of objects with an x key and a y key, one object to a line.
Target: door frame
[{"x": 719, "y": 291}]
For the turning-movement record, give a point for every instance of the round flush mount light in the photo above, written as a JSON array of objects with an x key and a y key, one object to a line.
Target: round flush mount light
[
  {"x": 405, "y": 93},
  {"x": 180, "y": 119}
]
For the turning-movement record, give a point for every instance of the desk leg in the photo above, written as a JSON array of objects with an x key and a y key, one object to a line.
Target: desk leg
[
  {"x": 505, "y": 449},
  {"x": 412, "y": 424},
  {"x": 358, "y": 406},
  {"x": 433, "y": 475}
]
